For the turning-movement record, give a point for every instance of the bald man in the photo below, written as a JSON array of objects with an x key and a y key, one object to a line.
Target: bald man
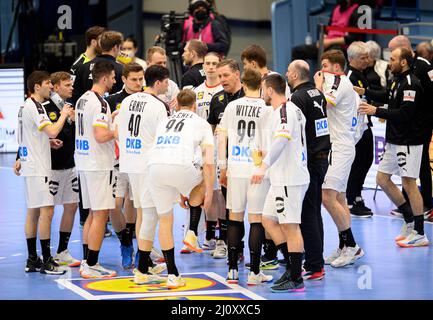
[
  {"x": 425, "y": 50},
  {"x": 312, "y": 103},
  {"x": 423, "y": 70}
]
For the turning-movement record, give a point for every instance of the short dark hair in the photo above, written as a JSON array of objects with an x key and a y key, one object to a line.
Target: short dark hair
[
  {"x": 406, "y": 54},
  {"x": 335, "y": 56},
  {"x": 133, "y": 40},
  {"x": 100, "y": 69},
  {"x": 213, "y": 54},
  {"x": 186, "y": 98},
  {"x": 155, "y": 73},
  {"x": 36, "y": 77},
  {"x": 252, "y": 79},
  {"x": 276, "y": 82},
  {"x": 255, "y": 53},
  {"x": 231, "y": 63},
  {"x": 93, "y": 33},
  {"x": 198, "y": 46},
  {"x": 110, "y": 39},
  {"x": 131, "y": 67}
]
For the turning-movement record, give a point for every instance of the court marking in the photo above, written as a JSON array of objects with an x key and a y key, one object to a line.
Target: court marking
[{"x": 67, "y": 283}]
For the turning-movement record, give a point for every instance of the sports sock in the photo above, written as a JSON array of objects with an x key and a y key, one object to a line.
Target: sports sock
[
  {"x": 63, "y": 241},
  {"x": 131, "y": 228},
  {"x": 92, "y": 258},
  {"x": 210, "y": 230},
  {"x": 85, "y": 251},
  {"x": 348, "y": 238},
  {"x": 223, "y": 230},
  {"x": 341, "y": 241},
  {"x": 283, "y": 249},
  {"x": 407, "y": 212},
  {"x": 46, "y": 251},
  {"x": 194, "y": 218},
  {"x": 296, "y": 266},
  {"x": 31, "y": 248},
  {"x": 233, "y": 241},
  {"x": 255, "y": 241},
  {"x": 169, "y": 259},
  {"x": 143, "y": 261},
  {"x": 419, "y": 224},
  {"x": 270, "y": 250},
  {"x": 123, "y": 237}
]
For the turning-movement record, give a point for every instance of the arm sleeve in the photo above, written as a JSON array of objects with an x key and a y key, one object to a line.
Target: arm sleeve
[
  {"x": 100, "y": 117},
  {"x": 407, "y": 108},
  {"x": 275, "y": 151},
  {"x": 187, "y": 80},
  {"x": 78, "y": 85},
  {"x": 221, "y": 41},
  {"x": 380, "y": 96}
]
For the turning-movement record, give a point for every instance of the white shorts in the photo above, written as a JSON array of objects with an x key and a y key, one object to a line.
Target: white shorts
[
  {"x": 121, "y": 184},
  {"x": 404, "y": 161},
  {"x": 340, "y": 162},
  {"x": 285, "y": 203},
  {"x": 38, "y": 193},
  {"x": 167, "y": 182},
  {"x": 240, "y": 191},
  {"x": 97, "y": 190},
  {"x": 140, "y": 193},
  {"x": 64, "y": 186}
]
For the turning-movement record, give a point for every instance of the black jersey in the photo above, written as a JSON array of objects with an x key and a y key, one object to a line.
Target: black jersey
[
  {"x": 194, "y": 77},
  {"x": 115, "y": 99},
  {"x": 218, "y": 104}
]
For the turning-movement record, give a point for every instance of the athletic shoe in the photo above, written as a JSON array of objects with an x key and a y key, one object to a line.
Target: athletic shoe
[
  {"x": 396, "y": 212},
  {"x": 334, "y": 255},
  {"x": 284, "y": 277},
  {"x": 186, "y": 250},
  {"x": 174, "y": 282},
  {"x": 51, "y": 267},
  {"x": 108, "y": 232},
  {"x": 96, "y": 272},
  {"x": 428, "y": 213},
  {"x": 220, "y": 251},
  {"x": 191, "y": 242},
  {"x": 233, "y": 276},
  {"x": 266, "y": 264},
  {"x": 282, "y": 262},
  {"x": 64, "y": 258},
  {"x": 315, "y": 276},
  {"x": 157, "y": 268},
  {"x": 406, "y": 230},
  {"x": 83, "y": 262},
  {"x": 141, "y": 278},
  {"x": 156, "y": 255},
  {"x": 358, "y": 209},
  {"x": 348, "y": 256},
  {"x": 209, "y": 244},
  {"x": 289, "y": 286},
  {"x": 256, "y": 279},
  {"x": 33, "y": 265},
  {"x": 414, "y": 240},
  {"x": 127, "y": 253}
]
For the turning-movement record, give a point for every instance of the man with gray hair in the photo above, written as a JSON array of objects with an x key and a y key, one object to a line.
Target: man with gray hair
[
  {"x": 312, "y": 103},
  {"x": 357, "y": 54},
  {"x": 377, "y": 73}
]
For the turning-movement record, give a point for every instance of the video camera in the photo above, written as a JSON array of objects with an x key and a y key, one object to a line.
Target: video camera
[{"x": 171, "y": 32}]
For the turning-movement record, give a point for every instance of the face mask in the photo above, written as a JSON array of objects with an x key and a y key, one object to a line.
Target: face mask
[{"x": 200, "y": 15}]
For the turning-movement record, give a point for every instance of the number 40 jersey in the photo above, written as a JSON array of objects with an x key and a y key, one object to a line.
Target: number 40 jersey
[{"x": 137, "y": 121}]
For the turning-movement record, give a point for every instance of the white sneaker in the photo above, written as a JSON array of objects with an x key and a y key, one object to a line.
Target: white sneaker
[
  {"x": 209, "y": 244},
  {"x": 256, "y": 279},
  {"x": 406, "y": 230},
  {"x": 156, "y": 255},
  {"x": 186, "y": 250},
  {"x": 174, "y": 282},
  {"x": 83, "y": 262},
  {"x": 233, "y": 276},
  {"x": 191, "y": 242},
  {"x": 220, "y": 250},
  {"x": 141, "y": 278},
  {"x": 64, "y": 258},
  {"x": 348, "y": 256},
  {"x": 158, "y": 268},
  {"x": 96, "y": 271},
  {"x": 334, "y": 255},
  {"x": 414, "y": 240}
]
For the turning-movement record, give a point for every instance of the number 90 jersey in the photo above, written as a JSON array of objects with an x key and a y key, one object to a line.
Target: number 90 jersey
[
  {"x": 245, "y": 121},
  {"x": 138, "y": 118},
  {"x": 179, "y": 137}
]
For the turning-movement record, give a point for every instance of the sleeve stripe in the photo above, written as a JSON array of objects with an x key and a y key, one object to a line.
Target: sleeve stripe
[
  {"x": 331, "y": 102},
  {"x": 282, "y": 135},
  {"x": 100, "y": 125},
  {"x": 43, "y": 125}
]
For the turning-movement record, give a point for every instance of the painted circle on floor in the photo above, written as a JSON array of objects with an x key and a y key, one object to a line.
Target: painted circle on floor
[
  {"x": 127, "y": 285},
  {"x": 193, "y": 298}
]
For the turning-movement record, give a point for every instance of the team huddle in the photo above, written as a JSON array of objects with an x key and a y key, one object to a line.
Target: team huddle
[{"x": 228, "y": 144}]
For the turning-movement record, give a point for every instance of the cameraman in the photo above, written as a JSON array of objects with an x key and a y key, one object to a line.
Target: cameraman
[{"x": 203, "y": 25}]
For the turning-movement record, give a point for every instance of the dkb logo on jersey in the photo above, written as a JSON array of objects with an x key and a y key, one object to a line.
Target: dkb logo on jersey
[
  {"x": 244, "y": 152},
  {"x": 82, "y": 145},
  {"x": 168, "y": 140},
  {"x": 354, "y": 121},
  {"x": 133, "y": 144},
  {"x": 22, "y": 152},
  {"x": 321, "y": 127}
]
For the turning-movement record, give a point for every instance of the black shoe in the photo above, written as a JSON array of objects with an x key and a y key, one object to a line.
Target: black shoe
[
  {"x": 289, "y": 286},
  {"x": 359, "y": 210},
  {"x": 51, "y": 267},
  {"x": 285, "y": 277},
  {"x": 33, "y": 265}
]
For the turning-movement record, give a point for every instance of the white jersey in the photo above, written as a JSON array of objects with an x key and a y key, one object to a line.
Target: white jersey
[
  {"x": 290, "y": 169},
  {"x": 178, "y": 139},
  {"x": 204, "y": 95},
  {"x": 34, "y": 144},
  {"x": 171, "y": 93},
  {"x": 343, "y": 110},
  {"x": 92, "y": 111},
  {"x": 139, "y": 116},
  {"x": 245, "y": 120}
]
